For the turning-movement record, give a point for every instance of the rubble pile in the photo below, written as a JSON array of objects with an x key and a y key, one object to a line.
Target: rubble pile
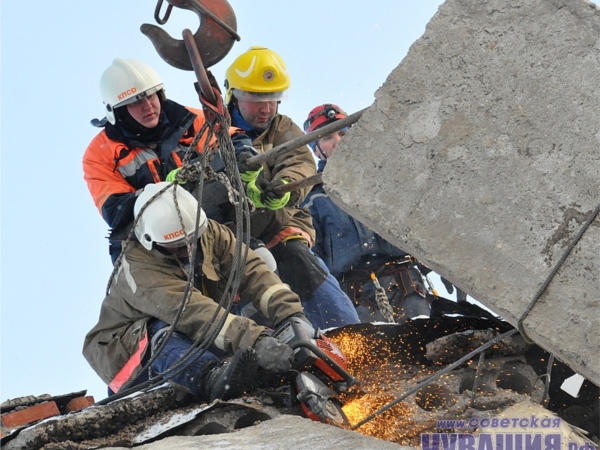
[
  {"x": 402, "y": 356},
  {"x": 390, "y": 361},
  {"x": 20, "y": 412}
]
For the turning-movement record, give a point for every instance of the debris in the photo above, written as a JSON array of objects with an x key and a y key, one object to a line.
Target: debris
[{"x": 24, "y": 411}]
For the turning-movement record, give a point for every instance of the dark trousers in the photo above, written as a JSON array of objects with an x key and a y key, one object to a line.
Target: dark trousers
[
  {"x": 189, "y": 378},
  {"x": 324, "y": 302}
]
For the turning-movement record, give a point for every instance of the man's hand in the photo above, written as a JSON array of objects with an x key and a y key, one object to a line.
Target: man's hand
[
  {"x": 273, "y": 356},
  {"x": 268, "y": 196},
  {"x": 254, "y": 193},
  {"x": 261, "y": 193},
  {"x": 248, "y": 172}
]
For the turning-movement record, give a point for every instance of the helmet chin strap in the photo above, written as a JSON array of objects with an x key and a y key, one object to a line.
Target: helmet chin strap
[{"x": 321, "y": 154}]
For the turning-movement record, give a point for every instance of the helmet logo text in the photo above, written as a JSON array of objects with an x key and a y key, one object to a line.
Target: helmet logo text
[
  {"x": 173, "y": 235},
  {"x": 127, "y": 93}
]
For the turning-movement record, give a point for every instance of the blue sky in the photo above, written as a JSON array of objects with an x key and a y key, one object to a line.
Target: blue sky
[{"x": 55, "y": 262}]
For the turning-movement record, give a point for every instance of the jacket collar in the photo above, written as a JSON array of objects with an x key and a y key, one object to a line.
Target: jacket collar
[
  {"x": 321, "y": 165},
  {"x": 173, "y": 118}
]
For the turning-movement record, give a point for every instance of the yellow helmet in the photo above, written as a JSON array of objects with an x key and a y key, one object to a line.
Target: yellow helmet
[{"x": 259, "y": 75}]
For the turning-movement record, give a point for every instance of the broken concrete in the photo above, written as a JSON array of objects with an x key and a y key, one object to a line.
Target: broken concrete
[
  {"x": 569, "y": 436},
  {"x": 21, "y": 412},
  {"x": 390, "y": 360},
  {"x": 164, "y": 412},
  {"x": 290, "y": 432},
  {"x": 481, "y": 157},
  {"x": 454, "y": 346},
  {"x": 110, "y": 423}
]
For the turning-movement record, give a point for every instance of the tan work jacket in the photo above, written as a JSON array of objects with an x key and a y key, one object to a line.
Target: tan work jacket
[
  {"x": 274, "y": 226},
  {"x": 150, "y": 284}
]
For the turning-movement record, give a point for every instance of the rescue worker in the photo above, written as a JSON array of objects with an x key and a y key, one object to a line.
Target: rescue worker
[
  {"x": 146, "y": 294},
  {"x": 351, "y": 250},
  {"x": 145, "y": 138},
  {"x": 256, "y": 82}
]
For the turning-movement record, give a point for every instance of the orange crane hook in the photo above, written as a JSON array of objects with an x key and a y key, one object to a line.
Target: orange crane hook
[{"x": 214, "y": 38}]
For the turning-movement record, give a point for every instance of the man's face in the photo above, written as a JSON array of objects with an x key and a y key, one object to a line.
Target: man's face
[
  {"x": 181, "y": 251},
  {"x": 146, "y": 111},
  {"x": 258, "y": 114},
  {"x": 328, "y": 143}
]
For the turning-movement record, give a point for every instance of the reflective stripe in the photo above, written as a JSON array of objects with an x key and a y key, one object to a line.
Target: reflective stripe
[
  {"x": 290, "y": 233},
  {"x": 220, "y": 340},
  {"x": 127, "y": 370},
  {"x": 312, "y": 198},
  {"x": 129, "y": 165},
  {"x": 268, "y": 295},
  {"x": 153, "y": 171},
  {"x": 128, "y": 277},
  {"x": 177, "y": 159}
]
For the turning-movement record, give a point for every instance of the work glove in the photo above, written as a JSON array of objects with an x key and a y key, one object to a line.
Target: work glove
[
  {"x": 302, "y": 316},
  {"x": 273, "y": 356},
  {"x": 248, "y": 172},
  {"x": 171, "y": 176},
  {"x": 253, "y": 192},
  {"x": 261, "y": 193},
  {"x": 270, "y": 198},
  {"x": 449, "y": 287}
]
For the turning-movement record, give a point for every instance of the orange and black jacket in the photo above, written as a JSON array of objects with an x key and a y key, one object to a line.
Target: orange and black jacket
[{"x": 116, "y": 164}]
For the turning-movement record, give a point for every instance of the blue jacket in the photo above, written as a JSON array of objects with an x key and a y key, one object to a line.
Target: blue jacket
[{"x": 343, "y": 242}]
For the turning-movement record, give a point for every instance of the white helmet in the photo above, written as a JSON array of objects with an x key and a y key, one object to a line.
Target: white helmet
[
  {"x": 160, "y": 222},
  {"x": 127, "y": 81}
]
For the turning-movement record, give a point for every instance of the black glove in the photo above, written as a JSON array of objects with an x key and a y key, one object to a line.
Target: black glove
[
  {"x": 449, "y": 287},
  {"x": 248, "y": 171},
  {"x": 302, "y": 316},
  {"x": 273, "y": 356},
  {"x": 268, "y": 195}
]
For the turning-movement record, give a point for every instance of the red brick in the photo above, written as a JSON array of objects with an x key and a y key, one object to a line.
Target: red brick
[
  {"x": 31, "y": 414},
  {"x": 79, "y": 403}
]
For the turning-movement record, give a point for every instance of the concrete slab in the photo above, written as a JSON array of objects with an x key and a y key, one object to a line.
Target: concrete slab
[
  {"x": 481, "y": 157},
  {"x": 291, "y": 432}
]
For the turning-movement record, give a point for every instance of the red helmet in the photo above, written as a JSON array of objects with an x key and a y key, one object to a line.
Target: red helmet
[{"x": 323, "y": 115}]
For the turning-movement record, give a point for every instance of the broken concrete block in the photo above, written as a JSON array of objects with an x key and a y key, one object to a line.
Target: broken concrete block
[
  {"x": 481, "y": 157},
  {"x": 534, "y": 422}
]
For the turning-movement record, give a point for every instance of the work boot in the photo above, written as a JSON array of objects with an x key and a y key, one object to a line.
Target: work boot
[{"x": 228, "y": 379}]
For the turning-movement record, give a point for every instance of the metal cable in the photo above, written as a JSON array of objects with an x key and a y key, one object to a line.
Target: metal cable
[
  {"x": 548, "y": 375},
  {"x": 198, "y": 172},
  {"x": 477, "y": 379}
]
